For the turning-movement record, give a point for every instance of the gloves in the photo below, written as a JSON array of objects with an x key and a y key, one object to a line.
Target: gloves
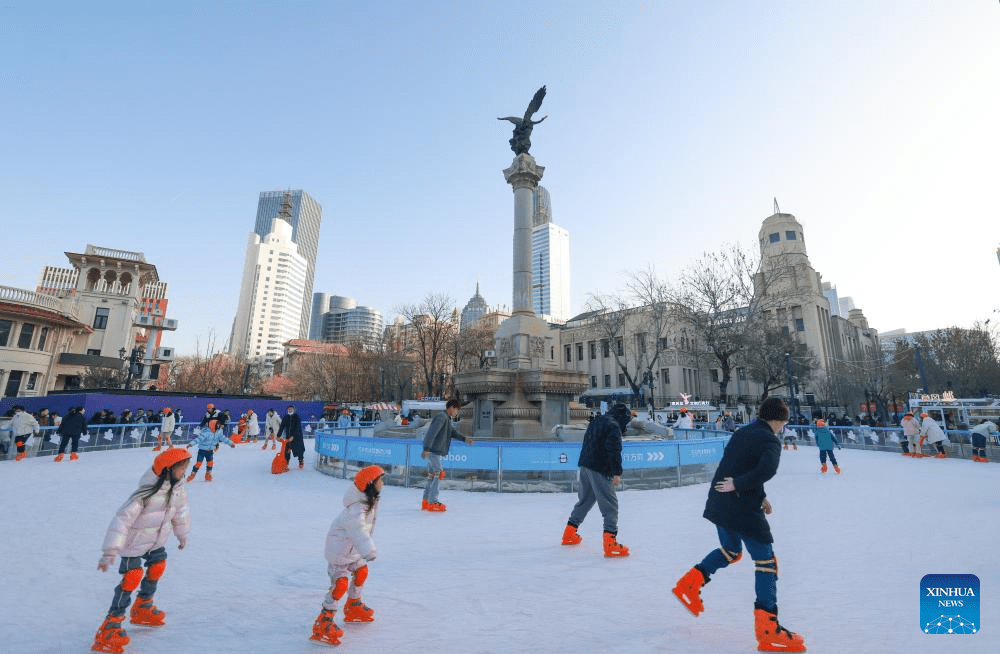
[
  {"x": 106, "y": 562},
  {"x": 232, "y": 445},
  {"x": 182, "y": 542},
  {"x": 371, "y": 556}
]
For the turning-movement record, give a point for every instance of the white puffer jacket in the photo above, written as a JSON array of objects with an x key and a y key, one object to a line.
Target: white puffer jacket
[
  {"x": 932, "y": 431},
  {"x": 141, "y": 526},
  {"x": 350, "y": 536}
]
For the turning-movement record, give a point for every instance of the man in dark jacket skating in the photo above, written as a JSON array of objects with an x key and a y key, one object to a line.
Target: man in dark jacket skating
[
  {"x": 437, "y": 444},
  {"x": 600, "y": 471},
  {"x": 291, "y": 428},
  {"x": 737, "y": 506}
]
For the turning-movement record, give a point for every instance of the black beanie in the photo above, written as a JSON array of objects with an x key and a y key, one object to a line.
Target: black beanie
[{"x": 773, "y": 408}]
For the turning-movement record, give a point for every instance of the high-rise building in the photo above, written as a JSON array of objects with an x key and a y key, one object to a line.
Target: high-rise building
[
  {"x": 550, "y": 291},
  {"x": 474, "y": 309},
  {"x": 269, "y": 312},
  {"x": 305, "y": 215},
  {"x": 341, "y": 320}
]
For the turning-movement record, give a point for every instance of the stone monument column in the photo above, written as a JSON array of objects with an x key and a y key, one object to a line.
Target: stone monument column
[{"x": 523, "y": 175}]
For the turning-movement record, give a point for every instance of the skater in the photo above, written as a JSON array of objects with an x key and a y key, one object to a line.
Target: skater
[
  {"x": 291, "y": 424},
  {"x": 349, "y": 548},
  {"x": 166, "y": 429},
  {"x": 600, "y": 471},
  {"x": 911, "y": 432},
  {"x": 272, "y": 423},
  {"x": 788, "y": 435},
  {"x": 344, "y": 421},
  {"x": 979, "y": 435},
  {"x": 932, "y": 432},
  {"x": 253, "y": 427},
  {"x": 684, "y": 421},
  {"x": 138, "y": 533},
  {"x": 825, "y": 440},
  {"x": 207, "y": 442},
  {"x": 22, "y": 426},
  {"x": 71, "y": 427},
  {"x": 437, "y": 442},
  {"x": 737, "y": 505}
]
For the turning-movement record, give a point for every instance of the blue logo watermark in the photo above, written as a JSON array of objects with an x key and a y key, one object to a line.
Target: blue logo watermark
[{"x": 949, "y": 604}]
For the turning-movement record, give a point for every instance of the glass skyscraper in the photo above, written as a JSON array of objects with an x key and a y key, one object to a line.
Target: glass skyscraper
[{"x": 305, "y": 217}]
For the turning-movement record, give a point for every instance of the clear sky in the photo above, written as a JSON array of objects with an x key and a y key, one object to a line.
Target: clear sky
[{"x": 672, "y": 126}]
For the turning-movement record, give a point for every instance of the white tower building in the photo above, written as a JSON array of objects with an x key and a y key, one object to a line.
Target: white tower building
[
  {"x": 550, "y": 291},
  {"x": 269, "y": 312}
]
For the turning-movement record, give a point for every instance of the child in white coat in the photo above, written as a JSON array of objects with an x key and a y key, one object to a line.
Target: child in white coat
[
  {"x": 138, "y": 533},
  {"x": 349, "y": 548}
]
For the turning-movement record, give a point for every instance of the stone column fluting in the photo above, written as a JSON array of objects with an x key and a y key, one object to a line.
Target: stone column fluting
[{"x": 523, "y": 175}]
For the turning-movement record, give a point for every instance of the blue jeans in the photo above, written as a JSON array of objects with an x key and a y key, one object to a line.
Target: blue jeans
[
  {"x": 434, "y": 474},
  {"x": 765, "y": 581}
]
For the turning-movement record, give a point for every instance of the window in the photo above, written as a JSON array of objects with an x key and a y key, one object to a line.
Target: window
[
  {"x": 593, "y": 349},
  {"x": 569, "y": 353},
  {"x": 789, "y": 236},
  {"x": 42, "y": 337},
  {"x": 665, "y": 375},
  {"x": 101, "y": 317},
  {"x": 621, "y": 379},
  {"x": 579, "y": 351},
  {"x": 27, "y": 332},
  {"x": 94, "y": 353},
  {"x": 800, "y": 325},
  {"x": 620, "y": 344},
  {"x": 640, "y": 341},
  {"x": 605, "y": 349},
  {"x": 715, "y": 375},
  {"x": 593, "y": 381},
  {"x": 32, "y": 380},
  {"x": 784, "y": 330},
  {"x": 13, "y": 383},
  {"x": 607, "y": 381},
  {"x": 741, "y": 374},
  {"x": 774, "y": 238},
  {"x": 5, "y": 327}
]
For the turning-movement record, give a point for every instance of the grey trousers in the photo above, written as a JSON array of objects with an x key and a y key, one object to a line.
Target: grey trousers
[
  {"x": 595, "y": 487},
  {"x": 434, "y": 477}
]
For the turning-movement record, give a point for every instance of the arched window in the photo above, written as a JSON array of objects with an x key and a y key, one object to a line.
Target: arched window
[{"x": 93, "y": 276}]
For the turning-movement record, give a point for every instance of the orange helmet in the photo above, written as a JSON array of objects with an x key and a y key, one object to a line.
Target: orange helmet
[
  {"x": 367, "y": 476},
  {"x": 168, "y": 459},
  {"x": 821, "y": 423},
  {"x": 210, "y": 406},
  {"x": 166, "y": 410}
]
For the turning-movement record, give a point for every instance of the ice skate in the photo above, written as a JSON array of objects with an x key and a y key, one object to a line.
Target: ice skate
[
  {"x": 325, "y": 630},
  {"x": 265, "y": 446},
  {"x": 836, "y": 469},
  {"x": 145, "y": 613},
  {"x": 194, "y": 473},
  {"x": 356, "y": 611},
  {"x": 772, "y": 637},
  {"x": 570, "y": 537},
  {"x": 436, "y": 507},
  {"x": 612, "y": 548},
  {"x": 208, "y": 475},
  {"x": 157, "y": 448},
  {"x": 823, "y": 468},
  {"x": 59, "y": 457},
  {"x": 73, "y": 456},
  {"x": 20, "y": 455},
  {"x": 110, "y": 636},
  {"x": 688, "y": 591},
  {"x": 940, "y": 455}
]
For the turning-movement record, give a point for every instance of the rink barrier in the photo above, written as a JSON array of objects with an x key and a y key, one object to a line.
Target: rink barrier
[
  {"x": 116, "y": 437},
  {"x": 506, "y": 467},
  {"x": 887, "y": 439}
]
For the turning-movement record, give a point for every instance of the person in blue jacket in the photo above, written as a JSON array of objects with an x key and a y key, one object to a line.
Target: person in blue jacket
[
  {"x": 825, "y": 440},
  {"x": 206, "y": 440}
]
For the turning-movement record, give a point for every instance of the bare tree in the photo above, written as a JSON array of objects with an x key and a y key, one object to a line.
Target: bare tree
[
  {"x": 432, "y": 326},
  {"x": 207, "y": 372},
  {"x": 102, "y": 377},
  {"x": 765, "y": 358},
  {"x": 726, "y": 298},
  {"x": 610, "y": 322}
]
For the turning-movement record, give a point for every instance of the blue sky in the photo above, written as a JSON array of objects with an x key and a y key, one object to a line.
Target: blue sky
[{"x": 672, "y": 126}]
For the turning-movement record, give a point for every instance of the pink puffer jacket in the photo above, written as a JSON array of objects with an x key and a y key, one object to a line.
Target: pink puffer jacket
[{"x": 141, "y": 526}]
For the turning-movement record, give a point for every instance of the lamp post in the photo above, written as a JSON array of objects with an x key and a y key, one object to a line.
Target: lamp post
[{"x": 133, "y": 362}]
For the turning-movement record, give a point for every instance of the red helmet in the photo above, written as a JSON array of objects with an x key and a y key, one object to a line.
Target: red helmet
[
  {"x": 366, "y": 476},
  {"x": 168, "y": 459}
]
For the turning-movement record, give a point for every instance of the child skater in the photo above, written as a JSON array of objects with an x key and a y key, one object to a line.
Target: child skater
[
  {"x": 825, "y": 440},
  {"x": 207, "y": 441},
  {"x": 349, "y": 548},
  {"x": 272, "y": 423},
  {"x": 138, "y": 533},
  {"x": 166, "y": 429}
]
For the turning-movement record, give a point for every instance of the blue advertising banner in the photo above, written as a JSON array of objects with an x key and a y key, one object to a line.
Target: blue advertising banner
[
  {"x": 706, "y": 451},
  {"x": 377, "y": 450},
  {"x": 557, "y": 456},
  {"x": 649, "y": 455},
  {"x": 476, "y": 457},
  {"x": 328, "y": 445}
]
